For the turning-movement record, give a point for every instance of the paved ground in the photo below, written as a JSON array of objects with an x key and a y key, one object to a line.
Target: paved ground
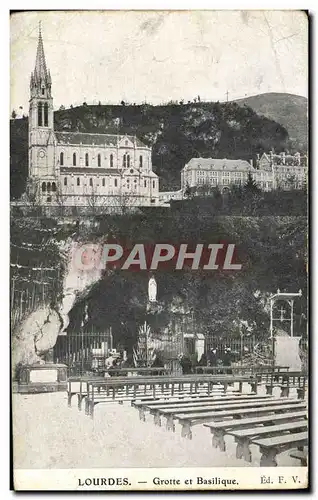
[{"x": 48, "y": 434}]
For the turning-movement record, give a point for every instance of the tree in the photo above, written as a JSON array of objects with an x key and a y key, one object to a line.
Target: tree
[
  {"x": 187, "y": 191},
  {"x": 60, "y": 198},
  {"x": 251, "y": 185},
  {"x": 205, "y": 189},
  {"x": 95, "y": 201},
  {"x": 32, "y": 194},
  {"x": 291, "y": 182},
  {"x": 125, "y": 201}
]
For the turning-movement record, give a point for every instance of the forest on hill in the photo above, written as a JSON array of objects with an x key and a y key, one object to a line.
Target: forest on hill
[
  {"x": 289, "y": 110},
  {"x": 176, "y": 132}
]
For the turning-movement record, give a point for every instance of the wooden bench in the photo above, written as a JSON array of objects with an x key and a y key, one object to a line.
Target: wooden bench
[
  {"x": 166, "y": 407},
  {"x": 187, "y": 420},
  {"x": 82, "y": 381},
  {"x": 286, "y": 381},
  {"x": 153, "y": 393},
  {"x": 133, "y": 395},
  {"x": 187, "y": 397},
  {"x": 243, "y": 437},
  {"x": 182, "y": 398},
  {"x": 201, "y": 406},
  {"x": 158, "y": 384},
  {"x": 141, "y": 397},
  {"x": 241, "y": 369},
  {"x": 300, "y": 455},
  {"x": 195, "y": 412},
  {"x": 219, "y": 429},
  {"x": 82, "y": 391},
  {"x": 143, "y": 371},
  {"x": 270, "y": 447}
]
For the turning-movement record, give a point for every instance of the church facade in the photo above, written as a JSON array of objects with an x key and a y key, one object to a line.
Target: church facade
[{"x": 82, "y": 169}]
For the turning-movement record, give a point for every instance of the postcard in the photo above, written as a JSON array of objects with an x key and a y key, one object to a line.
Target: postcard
[{"x": 158, "y": 263}]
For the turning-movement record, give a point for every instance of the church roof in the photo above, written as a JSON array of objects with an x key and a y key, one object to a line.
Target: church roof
[
  {"x": 90, "y": 170},
  {"x": 77, "y": 138},
  {"x": 218, "y": 164}
]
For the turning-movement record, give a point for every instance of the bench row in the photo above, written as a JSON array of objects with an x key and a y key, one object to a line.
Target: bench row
[{"x": 275, "y": 425}]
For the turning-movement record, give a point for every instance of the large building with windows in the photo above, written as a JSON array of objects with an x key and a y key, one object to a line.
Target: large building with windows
[
  {"x": 82, "y": 169},
  {"x": 271, "y": 172},
  {"x": 288, "y": 171},
  {"x": 211, "y": 172}
]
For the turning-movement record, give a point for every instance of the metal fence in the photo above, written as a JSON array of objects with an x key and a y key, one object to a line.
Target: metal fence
[
  {"x": 239, "y": 345},
  {"x": 83, "y": 352}
]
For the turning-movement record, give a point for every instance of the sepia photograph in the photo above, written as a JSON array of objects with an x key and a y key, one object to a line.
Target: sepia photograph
[{"x": 159, "y": 250}]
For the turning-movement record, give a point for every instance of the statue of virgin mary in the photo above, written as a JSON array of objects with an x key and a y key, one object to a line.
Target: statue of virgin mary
[{"x": 152, "y": 290}]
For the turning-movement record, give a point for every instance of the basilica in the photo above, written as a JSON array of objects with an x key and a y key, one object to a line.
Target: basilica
[{"x": 82, "y": 169}]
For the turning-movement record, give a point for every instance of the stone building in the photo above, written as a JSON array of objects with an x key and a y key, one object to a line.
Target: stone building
[
  {"x": 211, "y": 172},
  {"x": 271, "y": 172},
  {"x": 82, "y": 169},
  {"x": 289, "y": 171}
]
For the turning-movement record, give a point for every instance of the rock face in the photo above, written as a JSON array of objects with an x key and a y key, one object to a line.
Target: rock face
[
  {"x": 38, "y": 331},
  {"x": 35, "y": 336},
  {"x": 76, "y": 281}
]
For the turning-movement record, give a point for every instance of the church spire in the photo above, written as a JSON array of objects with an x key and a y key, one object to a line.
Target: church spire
[
  {"x": 40, "y": 77},
  {"x": 40, "y": 64}
]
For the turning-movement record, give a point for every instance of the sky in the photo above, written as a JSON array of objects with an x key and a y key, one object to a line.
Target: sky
[{"x": 158, "y": 56}]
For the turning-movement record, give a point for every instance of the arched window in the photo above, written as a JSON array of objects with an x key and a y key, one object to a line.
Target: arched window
[
  {"x": 103, "y": 182},
  {"x": 115, "y": 182},
  {"x": 48, "y": 187},
  {"x": 111, "y": 159},
  {"x": 140, "y": 161},
  {"x": 74, "y": 159},
  {"x": 65, "y": 181},
  {"x": 62, "y": 158},
  {"x": 78, "y": 181},
  {"x": 99, "y": 160},
  {"x": 43, "y": 90},
  {"x": 40, "y": 114},
  {"x": 53, "y": 186},
  {"x": 46, "y": 114},
  {"x": 86, "y": 160},
  {"x": 126, "y": 160},
  {"x": 91, "y": 182},
  {"x": 43, "y": 187}
]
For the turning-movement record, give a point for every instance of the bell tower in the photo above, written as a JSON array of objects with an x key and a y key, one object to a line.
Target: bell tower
[{"x": 41, "y": 135}]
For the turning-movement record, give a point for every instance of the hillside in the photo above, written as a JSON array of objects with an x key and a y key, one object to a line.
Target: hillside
[
  {"x": 287, "y": 109},
  {"x": 176, "y": 132}
]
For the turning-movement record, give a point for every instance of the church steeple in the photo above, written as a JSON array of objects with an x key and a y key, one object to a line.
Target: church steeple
[
  {"x": 40, "y": 82},
  {"x": 41, "y": 101}
]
